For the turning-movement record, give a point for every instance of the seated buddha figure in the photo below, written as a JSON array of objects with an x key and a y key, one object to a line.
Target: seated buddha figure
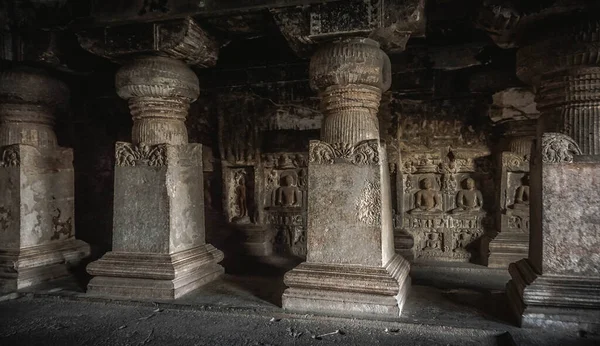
[
  {"x": 288, "y": 194},
  {"x": 427, "y": 200},
  {"x": 469, "y": 199},
  {"x": 522, "y": 195}
]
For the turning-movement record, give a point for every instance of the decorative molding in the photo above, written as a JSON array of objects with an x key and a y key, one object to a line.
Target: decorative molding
[
  {"x": 363, "y": 153},
  {"x": 369, "y": 206},
  {"x": 515, "y": 162},
  {"x": 558, "y": 148},
  {"x": 11, "y": 156},
  {"x": 128, "y": 154}
]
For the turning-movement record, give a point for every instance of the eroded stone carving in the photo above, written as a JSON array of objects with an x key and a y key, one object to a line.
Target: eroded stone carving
[
  {"x": 10, "y": 156},
  {"x": 288, "y": 194},
  {"x": 522, "y": 195},
  {"x": 129, "y": 154},
  {"x": 427, "y": 200},
  {"x": 363, "y": 153},
  {"x": 558, "y": 148},
  {"x": 469, "y": 199},
  {"x": 368, "y": 208}
]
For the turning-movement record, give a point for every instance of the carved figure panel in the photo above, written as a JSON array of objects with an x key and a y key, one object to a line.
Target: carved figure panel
[
  {"x": 10, "y": 156},
  {"x": 284, "y": 199},
  {"x": 445, "y": 201},
  {"x": 239, "y": 202}
]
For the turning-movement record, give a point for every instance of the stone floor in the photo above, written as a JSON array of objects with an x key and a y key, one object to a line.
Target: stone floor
[{"x": 243, "y": 309}]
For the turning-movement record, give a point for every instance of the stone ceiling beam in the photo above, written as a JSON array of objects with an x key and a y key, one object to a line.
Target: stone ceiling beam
[
  {"x": 181, "y": 39},
  {"x": 391, "y": 23}
]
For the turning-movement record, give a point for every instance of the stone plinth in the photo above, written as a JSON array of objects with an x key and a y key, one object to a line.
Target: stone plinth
[
  {"x": 37, "y": 226},
  {"x": 254, "y": 239},
  {"x": 559, "y": 284},
  {"x": 351, "y": 267},
  {"x": 159, "y": 248}
]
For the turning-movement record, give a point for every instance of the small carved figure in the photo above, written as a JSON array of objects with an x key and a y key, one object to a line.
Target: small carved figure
[
  {"x": 433, "y": 241},
  {"x": 462, "y": 241},
  {"x": 288, "y": 195},
  {"x": 522, "y": 195},
  {"x": 285, "y": 162},
  {"x": 469, "y": 199},
  {"x": 427, "y": 200},
  {"x": 240, "y": 195}
]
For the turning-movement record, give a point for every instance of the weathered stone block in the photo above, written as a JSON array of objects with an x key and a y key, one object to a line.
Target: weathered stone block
[
  {"x": 351, "y": 266},
  {"x": 37, "y": 226},
  {"x": 560, "y": 283},
  {"x": 158, "y": 193}
]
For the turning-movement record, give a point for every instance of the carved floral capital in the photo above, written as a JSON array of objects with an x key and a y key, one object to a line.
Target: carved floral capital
[
  {"x": 128, "y": 154},
  {"x": 363, "y": 153}
]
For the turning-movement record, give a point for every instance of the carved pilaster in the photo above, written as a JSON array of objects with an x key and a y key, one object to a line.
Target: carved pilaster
[
  {"x": 159, "y": 91},
  {"x": 350, "y": 76}
]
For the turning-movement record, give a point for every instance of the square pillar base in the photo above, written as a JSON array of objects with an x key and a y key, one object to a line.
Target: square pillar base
[
  {"x": 31, "y": 266},
  {"x": 552, "y": 301},
  {"x": 348, "y": 289},
  {"x": 154, "y": 276}
]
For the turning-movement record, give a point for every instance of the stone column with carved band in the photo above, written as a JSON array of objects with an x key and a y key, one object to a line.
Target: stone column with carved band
[
  {"x": 351, "y": 266},
  {"x": 159, "y": 247},
  {"x": 514, "y": 111},
  {"x": 559, "y": 283},
  {"x": 37, "y": 226}
]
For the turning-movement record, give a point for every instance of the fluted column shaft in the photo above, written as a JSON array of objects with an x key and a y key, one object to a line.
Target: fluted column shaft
[
  {"x": 564, "y": 68},
  {"x": 350, "y": 76},
  {"x": 159, "y": 91},
  {"x": 570, "y": 101},
  {"x": 520, "y": 136}
]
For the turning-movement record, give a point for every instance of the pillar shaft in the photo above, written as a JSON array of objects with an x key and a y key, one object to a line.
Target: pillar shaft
[
  {"x": 159, "y": 91},
  {"x": 159, "y": 246},
  {"x": 350, "y": 77},
  {"x": 37, "y": 236},
  {"x": 351, "y": 265},
  {"x": 559, "y": 282}
]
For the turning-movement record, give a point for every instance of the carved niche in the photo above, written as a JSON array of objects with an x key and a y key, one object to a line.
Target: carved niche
[
  {"x": 443, "y": 202},
  {"x": 239, "y": 205},
  {"x": 285, "y": 186},
  {"x": 514, "y": 190}
]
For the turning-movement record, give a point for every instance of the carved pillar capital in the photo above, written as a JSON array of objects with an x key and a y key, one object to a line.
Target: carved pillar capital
[
  {"x": 350, "y": 75},
  {"x": 563, "y": 66},
  {"x": 28, "y": 99},
  {"x": 159, "y": 91}
]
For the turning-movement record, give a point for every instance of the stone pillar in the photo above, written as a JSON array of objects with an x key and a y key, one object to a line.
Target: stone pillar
[
  {"x": 159, "y": 248},
  {"x": 37, "y": 226},
  {"x": 559, "y": 283},
  {"x": 516, "y": 115},
  {"x": 351, "y": 266}
]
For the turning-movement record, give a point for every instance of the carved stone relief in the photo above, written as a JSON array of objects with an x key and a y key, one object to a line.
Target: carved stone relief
[
  {"x": 10, "y": 156},
  {"x": 558, "y": 148},
  {"x": 284, "y": 198},
  {"x": 240, "y": 205},
  {"x": 444, "y": 202},
  {"x": 363, "y": 153},
  {"x": 128, "y": 154}
]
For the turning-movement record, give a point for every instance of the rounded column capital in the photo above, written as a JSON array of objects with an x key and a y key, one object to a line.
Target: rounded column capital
[
  {"x": 157, "y": 77},
  {"x": 27, "y": 85},
  {"x": 350, "y": 61}
]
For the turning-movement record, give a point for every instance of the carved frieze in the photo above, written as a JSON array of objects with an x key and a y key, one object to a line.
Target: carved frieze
[
  {"x": 129, "y": 154},
  {"x": 10, "y": 157},
  {"x": 558, "y": 148},
  {"x": 515, "y": 162},
  {"x": 362, "y": 153}
]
